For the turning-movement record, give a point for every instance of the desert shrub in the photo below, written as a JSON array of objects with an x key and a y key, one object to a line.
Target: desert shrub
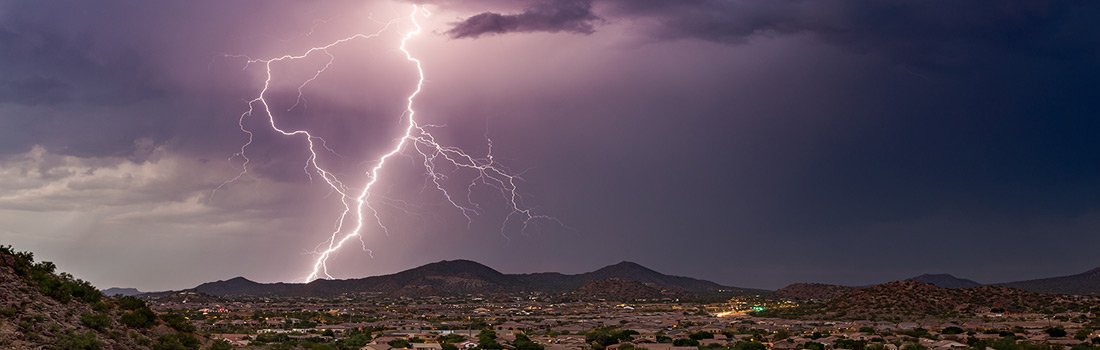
[
  {"x": 78, "y": 341},
  {"x": 953, "y": 330},
  {"x": 9, "y": 311},
  {"x": 140, "y": 318},
  {"x": 178, "y": 322},
  {"x": 522, "y": 342},
  {"x": 1056, "y": 332},
  {"x": 177, "y": 341},
  {"x": 700, "y": 335},
  {"x": 605, "y": 336},
  {"x": 131, "y": 303},
  {"x": 749, "y": 345},
  {"x": 220, "y": 345},
  {"x": 685, "y": 342},
  {"x": 813, "y": 346},
  {"x": 95, "y": 321},
  {"x": 357, "y": 339},
  {"x": 850, "y": 344},
  {"x": 101, "y": 306}
]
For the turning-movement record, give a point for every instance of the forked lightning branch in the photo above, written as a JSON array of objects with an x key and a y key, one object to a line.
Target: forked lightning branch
[{"x": 359, "y": 213}]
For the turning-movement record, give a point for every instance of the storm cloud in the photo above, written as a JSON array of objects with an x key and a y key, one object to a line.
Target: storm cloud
[
  {"x": 754, "y": 143},
  {"x": 572, "y": 16},
  {"x": 918, "y": 33}
]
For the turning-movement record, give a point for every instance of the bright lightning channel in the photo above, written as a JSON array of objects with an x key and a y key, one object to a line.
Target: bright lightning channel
[{"x": 416, "y": 137}]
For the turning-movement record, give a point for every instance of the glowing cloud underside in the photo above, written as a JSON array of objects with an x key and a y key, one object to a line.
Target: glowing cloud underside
[{"x": 357, "y": 204}]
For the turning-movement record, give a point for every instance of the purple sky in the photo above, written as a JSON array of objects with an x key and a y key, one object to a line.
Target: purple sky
[{"x": 750, "y": 143}]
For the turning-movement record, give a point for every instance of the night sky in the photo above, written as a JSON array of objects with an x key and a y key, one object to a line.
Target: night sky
[{"x": 752, "y": 143}]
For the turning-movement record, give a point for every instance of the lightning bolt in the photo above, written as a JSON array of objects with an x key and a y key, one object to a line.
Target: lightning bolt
[{"x": 359, "y": 207}]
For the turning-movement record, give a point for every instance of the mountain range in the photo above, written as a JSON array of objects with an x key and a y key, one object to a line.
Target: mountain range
[
  {"x": 624, "y": 280},
  {"x": 464, "y": 277},
  {"x": 1084, "y": 283},
  {"x": 121, "y": 292},
  {"x": 1087, "y": 282}
]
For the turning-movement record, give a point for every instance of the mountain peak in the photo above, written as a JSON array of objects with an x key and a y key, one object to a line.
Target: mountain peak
[
  {"x": 626, "y": 263},
  {"x": 116, "y": 291},
  {"x": 239, "y": 279},
  {"x": 628, "y": 267},
  {"x": 456, "y": 266},
  {"x": 945, "y": 280},
  {"x": 229, "y": 286}
]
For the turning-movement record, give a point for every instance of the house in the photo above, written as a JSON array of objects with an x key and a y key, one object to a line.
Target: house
[
  {"x": 236, "y": 340},
  {"x": 664, "y": 346},
  {"x": 947, "y": 345},
  {"x": 427, "y": 346}
]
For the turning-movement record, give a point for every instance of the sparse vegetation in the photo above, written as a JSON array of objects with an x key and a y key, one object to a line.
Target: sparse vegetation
[
  {"x": 685, "y": 342},
  {"x": 96, "y": 321},
  {"x": 177, "y": 322},
  {"x": 177, "y": 341},
  {"x": 79, "y": 341},
  {"x": 220, "y": 345},
  {"x": 700, "y": 335},
  {"x": 138, "y": 314},
  {"x": 487, "y": 339},
  {"x": 602, "y": 337},
  {"x": 749, "y": 345},
  {"x": 1056, "y": 332},
  {"x": 522, "y": 342},
  {"x": 953, "y": 330},
  {"x": 60, "y": 286}
]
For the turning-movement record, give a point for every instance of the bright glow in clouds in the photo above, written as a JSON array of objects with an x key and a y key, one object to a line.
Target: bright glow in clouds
[{"x": 357, "y": 205}]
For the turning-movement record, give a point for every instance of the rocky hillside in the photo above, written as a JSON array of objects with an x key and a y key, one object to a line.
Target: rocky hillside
[
  {"x": 945, "y": 280},
  {"x": 910, "y": 300},
  {"x": 1087, "y": 282},
  {"x": 812, "y": 291},
  {"x": 622, "y": 289},
  {"x": 43, "y": 309}
]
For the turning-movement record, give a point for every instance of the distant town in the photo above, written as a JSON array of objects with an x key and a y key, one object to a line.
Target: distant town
[
  {"x": 537, "y": 322},
  {"x": 463, "y": 305}
]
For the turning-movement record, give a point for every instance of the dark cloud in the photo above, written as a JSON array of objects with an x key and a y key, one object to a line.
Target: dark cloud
[
  {"x": 573, "y": 16},
  {"x": 916, "y": 33},
  {"x": 33, "y": 91},
  {"x": 46, "y": 68},
  {"x": 934, "y": 33}
]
